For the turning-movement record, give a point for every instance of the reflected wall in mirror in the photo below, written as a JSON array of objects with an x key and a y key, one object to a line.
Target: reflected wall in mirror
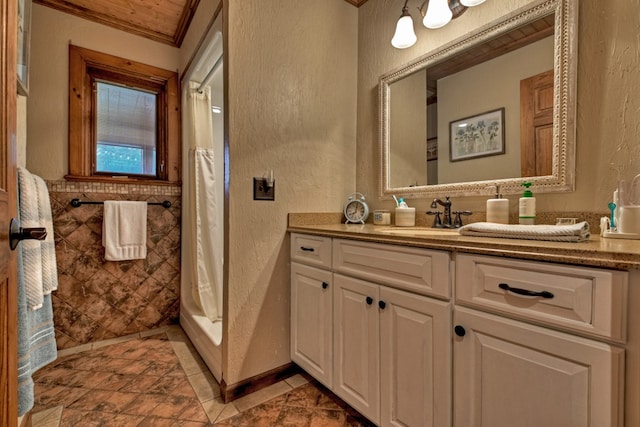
[{"x": 524, "y": 63}]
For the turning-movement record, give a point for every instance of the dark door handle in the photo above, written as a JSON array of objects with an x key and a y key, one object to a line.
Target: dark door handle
[
  {"x": 369, "y": 300},
  {"x": 17, "y": 233},
  {"x": 525, "y": 292},
  {"x": 382, "y": 304},
  {"x": 325, "y": 285}
]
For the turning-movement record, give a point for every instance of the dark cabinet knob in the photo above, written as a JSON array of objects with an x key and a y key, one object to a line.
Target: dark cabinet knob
[
  {"x": 382, "y": 304},
  {"x": 369, "y": 300},
  {"x": 325, "y": 285},
  {"x": 17, "y": 233},
  {"x": 459, "y": 330}
]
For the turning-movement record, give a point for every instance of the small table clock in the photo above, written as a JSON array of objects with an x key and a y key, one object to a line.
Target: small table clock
[{"x": 356, "y": 210}]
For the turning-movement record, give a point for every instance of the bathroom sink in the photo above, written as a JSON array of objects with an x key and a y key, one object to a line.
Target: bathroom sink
[{"x": 417, "y": 231}]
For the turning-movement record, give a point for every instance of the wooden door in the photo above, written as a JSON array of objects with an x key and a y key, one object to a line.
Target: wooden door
[
  {"x": 356, "y": 337},
  {"x": 415, "y": 360},
  {"x": 311, "y": 321},
  {"x": 536, "y": 124},
  {"x": 509, "y": 373},
  {"x": 8, "y": 263}
]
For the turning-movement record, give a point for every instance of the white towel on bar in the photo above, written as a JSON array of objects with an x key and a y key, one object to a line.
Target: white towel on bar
[
  {"x": 124, "y": 230},
  {"x": 47, "y": 246},
  {"x": 31, "y": 249},
  {"x": 558, "y": 233}
]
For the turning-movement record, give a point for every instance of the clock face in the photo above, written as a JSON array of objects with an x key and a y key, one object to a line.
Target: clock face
[{"x": 355, "y": 211}]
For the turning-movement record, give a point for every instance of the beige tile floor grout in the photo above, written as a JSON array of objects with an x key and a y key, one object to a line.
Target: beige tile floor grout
[{"x": 203, "y": 383}]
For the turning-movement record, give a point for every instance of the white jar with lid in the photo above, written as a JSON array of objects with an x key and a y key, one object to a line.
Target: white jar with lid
[{"x": 405, "y": 217}]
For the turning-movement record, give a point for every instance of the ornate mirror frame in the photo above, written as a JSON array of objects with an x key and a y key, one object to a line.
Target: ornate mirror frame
[{"x": 562, "y": 178}]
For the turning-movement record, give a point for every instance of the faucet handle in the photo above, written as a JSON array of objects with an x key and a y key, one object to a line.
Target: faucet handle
[
  {"x": 437, "y": 221},
  {"x": 457, "y": 222}
]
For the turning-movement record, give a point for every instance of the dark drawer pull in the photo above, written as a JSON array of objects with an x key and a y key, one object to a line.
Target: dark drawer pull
[
  {"x": 525, "y": 292},
  {"x": 307, "y": 249}
]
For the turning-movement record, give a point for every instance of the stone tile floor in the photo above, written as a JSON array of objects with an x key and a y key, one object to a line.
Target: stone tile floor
[{"x": 158, "y": 379}]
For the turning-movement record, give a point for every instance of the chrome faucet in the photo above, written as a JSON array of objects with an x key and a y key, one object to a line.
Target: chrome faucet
[{"x": 446, "y": 221}]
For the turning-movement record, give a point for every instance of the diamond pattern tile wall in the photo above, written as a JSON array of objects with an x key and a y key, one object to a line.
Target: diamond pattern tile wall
[{"x": 98, "y": 299}]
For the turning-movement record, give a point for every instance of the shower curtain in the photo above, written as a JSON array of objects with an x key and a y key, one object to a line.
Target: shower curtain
[{"x": 205, "y": 252}]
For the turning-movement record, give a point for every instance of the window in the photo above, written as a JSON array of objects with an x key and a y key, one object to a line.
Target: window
[
  {"x": 123, "y": 120},
  {"x": 126, "y": 134}
]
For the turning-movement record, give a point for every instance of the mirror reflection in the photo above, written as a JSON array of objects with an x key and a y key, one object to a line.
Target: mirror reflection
[
  {"x": 481, "y": 110},
  {"x": 439, "y": 111}
]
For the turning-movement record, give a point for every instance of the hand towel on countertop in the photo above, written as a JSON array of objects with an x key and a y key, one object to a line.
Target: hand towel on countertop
[
  {"x": 557, "y": 233},
  {"x": 29, "y": 214},
  {"x": 124, "y": 230}
]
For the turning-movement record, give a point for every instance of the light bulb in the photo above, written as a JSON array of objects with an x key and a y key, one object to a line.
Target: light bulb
[
  {"x": 405, "y": 36},
  {"x": 438, "y": 14},
  {"x": 471, "y": 3}
]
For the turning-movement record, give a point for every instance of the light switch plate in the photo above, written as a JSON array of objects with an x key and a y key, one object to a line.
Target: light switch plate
[{"x": 261, "y": 191}]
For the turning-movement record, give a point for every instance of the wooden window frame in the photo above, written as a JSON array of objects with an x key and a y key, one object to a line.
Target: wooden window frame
[{"x": 85, "y": 66}]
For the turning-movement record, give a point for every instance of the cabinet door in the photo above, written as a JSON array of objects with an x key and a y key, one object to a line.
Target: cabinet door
[
  {"x": 508, "y": 373},
  {"x": 311, "y": 304},
  {"x": 415, "y": 360},
  {"x": 356, "y": 345}
]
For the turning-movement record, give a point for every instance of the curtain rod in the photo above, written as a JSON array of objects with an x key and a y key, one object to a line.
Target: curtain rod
[
  {"x": 76, "y": 203},
  {"x": 210, "y": 74}
]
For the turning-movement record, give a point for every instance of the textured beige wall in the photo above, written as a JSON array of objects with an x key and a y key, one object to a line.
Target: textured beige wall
[
  {"x": 48, "y": 106},
  {"x": 292, "y": 108},
  {"x": 608, "y": 105}
]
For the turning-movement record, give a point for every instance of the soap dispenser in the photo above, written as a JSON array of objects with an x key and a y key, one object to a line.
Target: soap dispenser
[
  {"x": 498, "y": 208},
  {"x": 527, "y": 206}
]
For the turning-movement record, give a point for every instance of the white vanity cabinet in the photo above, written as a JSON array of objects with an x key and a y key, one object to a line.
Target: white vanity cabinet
[
  {"x": 391, "y": 352},
  {"x": 311, "y": 306},
  {"x": 544, "y": 369},
  {"x": 510, "y": 342}
]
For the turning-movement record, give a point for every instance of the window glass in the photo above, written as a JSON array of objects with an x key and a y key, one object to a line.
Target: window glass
[{"x": 126, "y": 130}]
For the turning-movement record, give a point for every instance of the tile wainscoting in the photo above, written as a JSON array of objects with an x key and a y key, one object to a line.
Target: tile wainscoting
[{"x": 98, "y": 299}]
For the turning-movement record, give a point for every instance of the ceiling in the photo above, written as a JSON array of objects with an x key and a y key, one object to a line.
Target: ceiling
[{"x": 165, "y": 21}]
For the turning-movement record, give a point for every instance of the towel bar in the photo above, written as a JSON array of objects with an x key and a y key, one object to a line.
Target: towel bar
[{"x": 76, "y": 203}]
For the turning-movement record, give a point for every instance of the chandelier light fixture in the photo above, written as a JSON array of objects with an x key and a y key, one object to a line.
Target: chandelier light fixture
[{"x": 436, "y": 14}]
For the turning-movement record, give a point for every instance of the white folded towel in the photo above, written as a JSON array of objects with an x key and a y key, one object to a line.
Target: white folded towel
[
  {"x": 124, "y": 230},
  {"x": 47, "y": 246},
  {"x": 557, "y": 233}
]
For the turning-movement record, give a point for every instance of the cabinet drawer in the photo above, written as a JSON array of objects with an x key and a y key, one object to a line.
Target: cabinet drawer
[
  {"x": 587, "y": 300},
  {"x": 421, "y": 271},
  {"x": 312, "y": 250}
]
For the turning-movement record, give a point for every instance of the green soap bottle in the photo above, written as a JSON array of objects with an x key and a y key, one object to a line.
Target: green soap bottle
[{"x": 527, "y": 206}]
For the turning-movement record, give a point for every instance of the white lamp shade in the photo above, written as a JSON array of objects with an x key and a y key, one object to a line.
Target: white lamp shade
[
  {"x": 405, "y": 36},
  {"x": 470, "y": 3},
  {"x": 438, "y": 14}
]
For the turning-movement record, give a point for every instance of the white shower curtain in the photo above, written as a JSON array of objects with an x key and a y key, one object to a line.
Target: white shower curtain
[{"x": 205, "y": 251}]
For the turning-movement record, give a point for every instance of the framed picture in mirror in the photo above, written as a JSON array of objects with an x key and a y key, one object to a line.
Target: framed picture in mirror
[
  {"x": 24, "y": 37},
  {"x": 432, "y": 148},
  {"x": 477, "y": 136}
]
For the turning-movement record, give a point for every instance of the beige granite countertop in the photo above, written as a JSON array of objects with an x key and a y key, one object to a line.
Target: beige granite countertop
[{"x": 597, "y": 252}]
